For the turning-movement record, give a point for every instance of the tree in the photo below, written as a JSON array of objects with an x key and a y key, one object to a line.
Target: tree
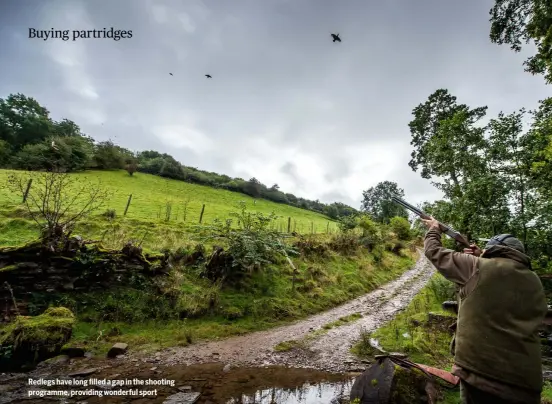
[
  {"x": 445, "y": 141},
  {"x": 517, "y": 21},
  {"x": 5, "y": 153},
  {"x": 131, "y": 168},
  {"x": 401, "y": 227},
  {"x": 23, "y": 121},
  {"x": 57, "y": 153},
  {"x": 56, "y": 201},
  {"x": 66, "y": 128},
  {"x": 331, "y": 211},
  {"x": 449, "y": 148},
  {"x": 540, "y": 146},
  {"x": 378, "y": 204},
  {"x": 107, "y": 156},
  {"x": 510, "y": 161},
  {"x": 253, "y": 188}
]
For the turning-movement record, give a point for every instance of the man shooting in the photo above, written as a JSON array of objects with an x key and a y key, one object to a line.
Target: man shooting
[{"x": 497, "y": 353}]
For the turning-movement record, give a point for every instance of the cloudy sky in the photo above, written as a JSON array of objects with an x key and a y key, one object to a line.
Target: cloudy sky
[{"x": 323, "y": 120}]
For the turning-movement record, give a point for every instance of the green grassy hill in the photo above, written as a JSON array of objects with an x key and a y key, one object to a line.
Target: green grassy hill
[{"x": 151, "y": 196}]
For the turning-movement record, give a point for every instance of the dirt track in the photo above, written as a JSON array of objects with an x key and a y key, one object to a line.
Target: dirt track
[{"x": 328, "y": 351}]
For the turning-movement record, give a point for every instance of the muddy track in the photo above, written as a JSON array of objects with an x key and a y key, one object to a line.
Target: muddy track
[{"x": 319, "y": 349}]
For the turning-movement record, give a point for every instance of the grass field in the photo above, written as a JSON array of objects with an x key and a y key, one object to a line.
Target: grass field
[
  {"x": 270, "y": 297},
  {"x": 147, "y": 213}
]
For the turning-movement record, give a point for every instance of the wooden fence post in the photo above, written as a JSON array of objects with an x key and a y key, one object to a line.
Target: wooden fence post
[
  {"x": 201, "y": 216},
  {"x": 328, "y": 228},
  {"x": 27, "y": 190},
  {"x": 289, "y": 224},
  {"x": 128, "y": 204},
  {"x": 312, "y": 227}
]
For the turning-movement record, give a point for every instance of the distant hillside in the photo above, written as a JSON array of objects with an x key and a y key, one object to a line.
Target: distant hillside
[
  {"x": 153, "y": 196},
  {"x": 31, "y": 140}
]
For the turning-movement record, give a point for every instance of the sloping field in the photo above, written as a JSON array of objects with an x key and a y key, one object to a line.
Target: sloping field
[{"x": 152, "y": 196}]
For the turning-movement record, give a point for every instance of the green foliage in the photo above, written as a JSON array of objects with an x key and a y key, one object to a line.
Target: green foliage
[
  {"x": 5, "y": 152},
  {"x": 347, "y": 223},
  {"x": 372, "y": 233},
  {"x": 347, "y": 243},
  {"x": 253, "y": 245},
  {"x": 57, "y": 153},
  {"x": 29, "y": 339},
  {"x": 517, "y": 21},
  {"x": 446, "y": 141},
  {"x": 108, "y": 156},
  {"x": 495, "y": 178},
  {"x": 378, "y": 204},
  {"x": 401, "y": 227},
  {"x": 24, "y": 121}
]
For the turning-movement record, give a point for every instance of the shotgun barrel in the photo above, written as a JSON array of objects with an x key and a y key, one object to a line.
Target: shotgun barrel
[{"x": 449, "y": 231}]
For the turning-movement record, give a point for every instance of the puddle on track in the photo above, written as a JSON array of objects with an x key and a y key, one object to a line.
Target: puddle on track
[
  {"x": 244, "y": 385},
  {"x": 317, "y": 393}
]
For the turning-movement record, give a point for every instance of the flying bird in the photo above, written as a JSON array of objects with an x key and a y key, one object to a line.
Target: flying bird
[
  {"x": 336, "y": 37},
  {"x": 208, "y": 76},
  {"x": 171, "y": 74},
  {"x": 54, "y": 145}
]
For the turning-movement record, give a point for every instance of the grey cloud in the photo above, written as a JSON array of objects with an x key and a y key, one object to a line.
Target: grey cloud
[
  {"x": 276, "y": 76},
  {"x": 289, "y": 169}
]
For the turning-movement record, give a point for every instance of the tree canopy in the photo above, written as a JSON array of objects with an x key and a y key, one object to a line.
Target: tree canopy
[
  {"x": 515, "y": 22},
  {"x": 378, "y": 204}
]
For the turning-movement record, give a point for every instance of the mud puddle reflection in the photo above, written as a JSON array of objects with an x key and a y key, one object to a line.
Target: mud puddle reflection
[
  {"x": 317, "y": 393},
  {"x": 265, "y": 385},
  {"x": 215, "y": 383}
]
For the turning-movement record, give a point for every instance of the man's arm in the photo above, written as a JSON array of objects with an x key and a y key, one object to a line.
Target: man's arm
[{"x": 455, "y": 266}]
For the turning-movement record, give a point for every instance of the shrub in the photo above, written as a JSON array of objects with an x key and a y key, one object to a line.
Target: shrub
[
  {"x": 442, "y": 288},
  {"x": 311, "y": 246},
  {"x": 347, "y": 223},
  {"x": 251, "y": 247},
  {"x": 131, "y": 168},
  {"x": 110, "y": 214},
  {"x": 372, "y": 234},
  {"x": 401, "y": 227},
  {"x": 345, "y": 242},
  {"x": 232, "y": 313}
]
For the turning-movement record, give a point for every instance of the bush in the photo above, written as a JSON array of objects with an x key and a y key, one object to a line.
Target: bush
[
  {"x": 442, "y": 288},
  {"x": 401, "y": 227},
  {"x": 311, "y": 245},
  {"x": 347, "y": 223},
  {"x": 232, "y": 313},
  {"x": 107, "y": 156},
  {"x": 377, "y": 253},
  {"x": 372, "y": 234},
  {"x": 5, "y": 152},
  {"x": 345, "y": 242},
  {"x": 110, "y": 214},
  {"x": 252, "y": 246}
]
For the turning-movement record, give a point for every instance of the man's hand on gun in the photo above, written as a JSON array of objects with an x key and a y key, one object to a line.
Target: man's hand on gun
[
  {"x": 473, "y": 250},
  {"x": 434, "y": 223}
]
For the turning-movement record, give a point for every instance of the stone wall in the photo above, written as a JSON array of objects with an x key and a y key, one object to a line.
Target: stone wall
[{"x": 80, "y": 267}]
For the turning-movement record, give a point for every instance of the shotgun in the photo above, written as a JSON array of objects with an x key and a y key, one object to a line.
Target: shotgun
[{"x": 449, "y": 231}]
